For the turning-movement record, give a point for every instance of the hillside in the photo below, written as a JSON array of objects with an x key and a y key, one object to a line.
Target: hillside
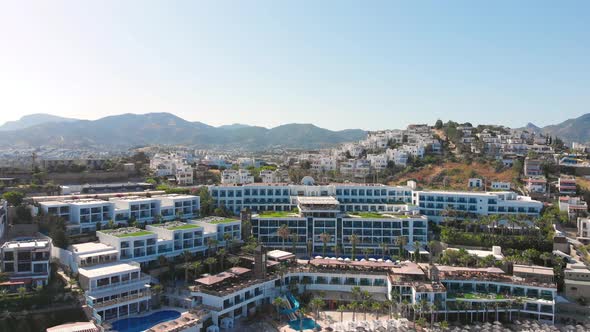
[
  {"x": 127, "y": 130},
  {"x": 454, "y": 175},
  {"x": 33, "y": 120},
  {"x": 572, "y": 130}
]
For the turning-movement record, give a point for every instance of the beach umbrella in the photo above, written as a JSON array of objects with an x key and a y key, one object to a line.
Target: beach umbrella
[
  {"x": 372, "y": 259},
  {"x": 380, "y": 260},
  {"x": 340, "y": 258},
  {"x": 318, "y": 257},
  {"x": 347, "y": 259}
]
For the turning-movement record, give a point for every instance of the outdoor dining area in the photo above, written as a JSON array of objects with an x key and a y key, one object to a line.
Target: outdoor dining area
[{"x": 349, "y": 264}]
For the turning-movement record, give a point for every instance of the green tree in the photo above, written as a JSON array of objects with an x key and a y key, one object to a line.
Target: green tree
[
  {"x": 278, "y": 303},
  {"x": 206, "y": 202},
  {"x": 341, "y": 309},
  {"x": 325, "y": 238},
  {"x": 283, "y": 233},
  {"x": 13, "y": 198},
  {"x": 438, "y": 124},
  {"x": 315, "y": 305},
  {"x": 22, "y": 291},
  {"x": 57, "y": 233},
  {"x": 211, "y": 261},
  {"x": 354, "y": 240}
]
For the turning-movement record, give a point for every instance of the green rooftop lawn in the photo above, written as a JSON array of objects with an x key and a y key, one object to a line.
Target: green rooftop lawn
[
  {"x": 222, "y": 221},
  {"x": 277, "y": 214},
  {"x": 140, "y": 233},
  {"x": 475, "y": 296},
  {"x": 187, "y": 226},
  {"x": 374, "y": 215}
]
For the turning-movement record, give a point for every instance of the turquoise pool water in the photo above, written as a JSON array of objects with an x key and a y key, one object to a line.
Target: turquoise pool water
[
  {"x": 140, "y": 324},
  {"x": 308, "y": 324}
]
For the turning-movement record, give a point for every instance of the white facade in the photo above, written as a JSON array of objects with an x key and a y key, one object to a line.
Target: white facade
[
  {"x": 433, "y": 203},
  {"x": 115, "y": 290},
  {"x": 231, "y": 176},
  {"x": 498, "y": 185},
  {"x": 82, "y": 215},
  {"x": 27, "y": 261}
]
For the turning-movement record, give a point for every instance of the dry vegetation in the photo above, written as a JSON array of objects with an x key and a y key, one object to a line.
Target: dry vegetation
[{"x": 454, "y": 175}]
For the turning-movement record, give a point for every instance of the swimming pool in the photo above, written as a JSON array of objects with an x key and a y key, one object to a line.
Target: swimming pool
[
  {"x": 139, "y": 324},
  {"x": 308, "y": 324}
]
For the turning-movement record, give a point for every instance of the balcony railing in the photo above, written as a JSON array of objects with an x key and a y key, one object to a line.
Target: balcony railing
[
  {"x": 145, "y": 279},
  {"x": 122, "y": 299}
]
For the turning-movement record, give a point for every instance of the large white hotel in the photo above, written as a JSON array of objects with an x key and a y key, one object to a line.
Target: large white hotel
[
  {"x": 354, "y": 197},
  {"x": 83, "y": 214}
]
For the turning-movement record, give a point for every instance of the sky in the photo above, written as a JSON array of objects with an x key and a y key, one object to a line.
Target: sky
[{"x": 337, "y": 64}]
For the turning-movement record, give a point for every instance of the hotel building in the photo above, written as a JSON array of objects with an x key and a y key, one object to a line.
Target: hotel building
[
  {"x": 376, "y": 233},
  {"x": 115, "y": 290},
  {"x": 83, "y": 215},
  {"x": 26, "y": 262}
]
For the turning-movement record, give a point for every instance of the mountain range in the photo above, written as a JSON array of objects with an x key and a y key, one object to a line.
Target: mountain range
[
  {"x": 129, "y": 130},
  {"x": 571, "y": 130}
]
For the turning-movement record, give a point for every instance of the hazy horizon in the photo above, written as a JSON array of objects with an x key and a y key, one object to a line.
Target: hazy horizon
[{"x": 337, "y": 65}]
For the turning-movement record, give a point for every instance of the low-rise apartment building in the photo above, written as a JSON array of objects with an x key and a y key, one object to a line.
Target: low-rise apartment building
[
  {"x": 83, "y": 215},
  {"x": 567, "y": 185},
  {"x": 320, "y": 222},
  {"x": 27, "y": 262},
  {"x": 115, "y": 290},
  {"x": 232, "y": 176},
  {"x": 435, "y": 204}
]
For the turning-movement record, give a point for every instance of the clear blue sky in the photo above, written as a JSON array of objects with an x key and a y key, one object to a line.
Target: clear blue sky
[{"x": 337, "y": 64}]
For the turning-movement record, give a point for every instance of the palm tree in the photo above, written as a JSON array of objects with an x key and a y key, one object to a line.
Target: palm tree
[
  {"x": 234, "y": 261},
  {"x": 211, "y": 261},
  {"x": 294, "y": 238},
  {"x": 221, "y": 253},
  {"x": 325, "y": 238},
  {"x": 302, "y": 313},
  {"x": 283, "y": 233},
  {"x": 227, "y": 240},
  {"x": 211, "y": 243},
  {"x": 354, "y": 307},
  {"x": 162, "y": 260},
  {"x": 519, "y": 302},
  {"x": 432, "y": 308},
  {"x": 341, "y": 309},
  {"x": 71, "y": 283},
  {"x": 315, "y": 305},
  {"x": 354, "y": 240},
  {"x": 309, "y": 247},
  {"x": 496, "y": 305},
  {"x": 405, "y": 307},
  {"x": 545, "y": 257},
  {"x": 384, "y": 248},
  {"x": 196, "y": 267},
  {"x": 401, "y": 241},
  {"x": 444, "y": 325},
  {"x": 376, "y": 308},
  {"x": 278, "y": 303},
  {"x": 156, "y": 291},
  {"x": 366, "y": 252},
  {"x": 186, "y": 256}
]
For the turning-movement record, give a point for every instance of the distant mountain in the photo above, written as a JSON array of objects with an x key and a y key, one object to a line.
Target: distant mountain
[
  {"x": 234, "y": 126},
  {"x": 572, "y": 130},
  {"x": 33, "y": 120},
  {"x": 128, "y": 130},
  {"x": 532, "y": 127}
]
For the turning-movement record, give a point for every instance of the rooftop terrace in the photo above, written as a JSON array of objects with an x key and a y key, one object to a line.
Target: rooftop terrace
[
  {"x": 175, "y": 225},
  {"x": 126, "y": 232}
]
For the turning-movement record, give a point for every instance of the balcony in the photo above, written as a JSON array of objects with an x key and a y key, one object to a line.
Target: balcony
[
  {"x": 110, "y": 287},
  {"x": 122, "y": 299}
]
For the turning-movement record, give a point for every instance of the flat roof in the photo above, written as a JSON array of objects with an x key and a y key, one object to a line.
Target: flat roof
[
  {"x": 126, "y": 232},
  {"x": 279, "y": 254},
  {"x": 446, "y": 268},
  {"x": 31, "y": 243},
  {"x": 107, "y": 269},
  {"x": 533, "y": 269},
  {"x": 74, "y": 327},
  {"x": 88, "y": 247}
]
